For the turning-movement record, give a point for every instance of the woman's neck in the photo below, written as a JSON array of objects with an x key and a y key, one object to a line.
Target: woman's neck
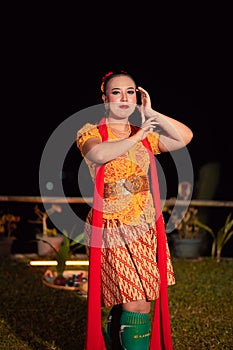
[
  {"x": 119, "y": 125},
  {"x": 120, "y": 129}
]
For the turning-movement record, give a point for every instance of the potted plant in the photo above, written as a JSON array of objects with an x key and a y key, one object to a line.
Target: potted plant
[
  {"x": 65, "y": 252},
  {"x": 47, "y": 234},
  {"x": 8, "y": 225},
  {"x": 221, "y": 237},
  {"x": 187, "y": 236}
]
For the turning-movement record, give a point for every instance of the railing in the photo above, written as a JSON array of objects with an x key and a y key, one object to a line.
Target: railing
[
  {"x": 17, "y": 204},
  {"x": 81, "y": 200}
]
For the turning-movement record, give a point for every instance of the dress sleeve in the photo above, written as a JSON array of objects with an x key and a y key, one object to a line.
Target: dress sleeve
[
  {"x": 86, "y": 132},
  {"x": 153, "y": 139}
]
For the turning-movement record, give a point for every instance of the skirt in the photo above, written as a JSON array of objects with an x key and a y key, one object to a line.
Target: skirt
[{"x": 129, "y": 270}]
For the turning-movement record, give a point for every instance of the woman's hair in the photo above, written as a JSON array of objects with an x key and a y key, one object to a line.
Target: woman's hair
[{"x": 108, "y": 76}]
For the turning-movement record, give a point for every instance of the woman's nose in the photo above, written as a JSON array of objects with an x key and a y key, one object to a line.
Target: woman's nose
[{"x": 124, "y": 96}]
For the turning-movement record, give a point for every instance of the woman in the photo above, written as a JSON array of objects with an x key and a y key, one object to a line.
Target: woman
[{"x": 120, "y": 157}]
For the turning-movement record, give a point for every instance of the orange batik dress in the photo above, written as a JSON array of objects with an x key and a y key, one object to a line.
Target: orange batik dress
[
  {"x": 129, "y": 255},
  {"x": 129, "y": 269}
]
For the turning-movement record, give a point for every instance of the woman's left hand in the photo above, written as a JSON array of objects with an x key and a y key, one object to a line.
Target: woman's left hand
[
  {"x": 145, "y": 98},
  {"x": 145, "y": 102}
]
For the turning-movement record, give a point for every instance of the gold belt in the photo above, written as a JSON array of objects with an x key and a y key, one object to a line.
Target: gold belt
[{"x": 133, "y": 184}]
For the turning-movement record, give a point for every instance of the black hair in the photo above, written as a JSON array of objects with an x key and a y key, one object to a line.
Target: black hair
[{"x": 108, "y": 76}]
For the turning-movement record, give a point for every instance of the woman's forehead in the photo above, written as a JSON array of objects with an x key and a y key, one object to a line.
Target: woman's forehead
[{"x": 121, "y": 81}]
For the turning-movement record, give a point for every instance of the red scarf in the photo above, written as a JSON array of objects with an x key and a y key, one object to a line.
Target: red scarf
[{"x": 161, "y": 332}]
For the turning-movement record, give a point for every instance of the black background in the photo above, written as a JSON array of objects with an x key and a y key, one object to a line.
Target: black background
[{"x": 53, "y": 57}]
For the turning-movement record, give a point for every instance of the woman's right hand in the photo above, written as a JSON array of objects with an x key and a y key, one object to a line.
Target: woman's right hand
[{"x": 146, "y": 128}]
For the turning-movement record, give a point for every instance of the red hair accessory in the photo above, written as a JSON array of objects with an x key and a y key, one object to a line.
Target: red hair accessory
[
  {"x": 104, "y": 80},
  {"x": 107, "y": 76}
]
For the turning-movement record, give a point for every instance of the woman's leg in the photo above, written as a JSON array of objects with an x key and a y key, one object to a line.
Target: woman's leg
[{"x": 135, "y": 325}]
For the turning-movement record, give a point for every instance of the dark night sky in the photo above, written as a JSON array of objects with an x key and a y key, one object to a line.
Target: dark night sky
[{"x": 53, "y": 60}]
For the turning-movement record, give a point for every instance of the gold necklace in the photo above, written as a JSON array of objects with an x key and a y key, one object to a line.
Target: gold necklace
[{"x": 119, "y": 133}]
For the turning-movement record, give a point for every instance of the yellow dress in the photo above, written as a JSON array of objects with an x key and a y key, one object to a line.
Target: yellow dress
[{"x": 128, "y": 256}]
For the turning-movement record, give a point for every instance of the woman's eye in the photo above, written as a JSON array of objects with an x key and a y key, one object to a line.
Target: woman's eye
[{"x": 130, "y": 92}]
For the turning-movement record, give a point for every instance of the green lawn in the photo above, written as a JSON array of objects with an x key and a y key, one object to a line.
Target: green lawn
[{"x": 36, "y": 317}]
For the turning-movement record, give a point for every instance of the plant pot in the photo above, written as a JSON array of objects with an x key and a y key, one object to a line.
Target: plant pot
[
  {"x": 186, "y": 248},
  {"x": 5, "y": 246},
  {"x": 44, "y": 249}
]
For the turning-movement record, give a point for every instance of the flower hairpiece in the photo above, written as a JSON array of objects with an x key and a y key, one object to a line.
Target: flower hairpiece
[
  {"x": 104, "y": 80},
  {"x": 106, "y": 77}
]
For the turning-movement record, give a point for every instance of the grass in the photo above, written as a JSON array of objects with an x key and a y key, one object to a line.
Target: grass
[{"x": 36, "y": 317}]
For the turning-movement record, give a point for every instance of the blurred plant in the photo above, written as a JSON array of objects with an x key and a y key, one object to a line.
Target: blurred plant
[
  {"x": 8, "y": 224},
  {"x": 221, "y": 237},
  {"x": 184, "y": 222},
  {"x": 42, "y": 219},
  {"x": 66, "y": 250}
]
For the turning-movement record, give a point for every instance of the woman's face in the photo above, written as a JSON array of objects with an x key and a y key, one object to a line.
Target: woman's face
[{"x": 121, "y": 96}]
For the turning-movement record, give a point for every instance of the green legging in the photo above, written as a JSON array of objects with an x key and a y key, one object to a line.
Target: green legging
[{"x": 134, "y": 331}]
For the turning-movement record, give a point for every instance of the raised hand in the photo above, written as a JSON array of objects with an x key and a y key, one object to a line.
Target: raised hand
[{"x": 145, "y": 102}]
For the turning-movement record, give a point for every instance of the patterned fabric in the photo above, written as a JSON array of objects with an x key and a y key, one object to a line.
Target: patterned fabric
[
  {"x": 125, "y": 208},
  {"x": 129, "y": 268}
]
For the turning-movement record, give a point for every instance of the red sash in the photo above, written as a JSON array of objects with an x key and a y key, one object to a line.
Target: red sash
[{"x": 161, "y": 332}]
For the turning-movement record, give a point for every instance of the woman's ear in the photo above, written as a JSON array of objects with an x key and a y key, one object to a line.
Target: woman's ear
[
  {"x": 104, "y": 98},
  {"x": 106, "y": 104}
]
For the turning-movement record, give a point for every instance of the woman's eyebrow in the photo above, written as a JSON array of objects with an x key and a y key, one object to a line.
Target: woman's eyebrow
[{"x": 128, "y": 88}]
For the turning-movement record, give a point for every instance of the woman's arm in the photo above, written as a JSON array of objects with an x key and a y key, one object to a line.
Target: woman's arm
[
  {"x": 102, "y": 152},
  {"x": 174, "y": 134}
]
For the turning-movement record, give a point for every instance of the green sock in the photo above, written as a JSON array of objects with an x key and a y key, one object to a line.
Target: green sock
[{"x": 135, "y": 331}]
